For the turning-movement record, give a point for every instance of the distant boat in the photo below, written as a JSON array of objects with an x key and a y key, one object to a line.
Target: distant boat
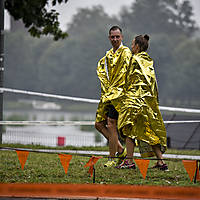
[{"x": 42, "y": 105}]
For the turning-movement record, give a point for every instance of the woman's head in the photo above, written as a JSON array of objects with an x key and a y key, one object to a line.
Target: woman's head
[{"x": 140, "y": 43}]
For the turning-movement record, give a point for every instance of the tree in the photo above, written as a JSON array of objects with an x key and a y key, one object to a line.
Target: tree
[
  {"x": 22, "y": 53},
  {"x": 87, "y": 21},
  {"x": 159, "y": 16},
  {"x": 184, "y": 18},
  {"x": 36, "y": 17},
  {"x": 188, "y": 71},
  {"x": 161, "y": 51}
]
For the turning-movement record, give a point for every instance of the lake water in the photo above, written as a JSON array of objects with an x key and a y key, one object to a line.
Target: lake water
[{"x": 52, "y": 135}]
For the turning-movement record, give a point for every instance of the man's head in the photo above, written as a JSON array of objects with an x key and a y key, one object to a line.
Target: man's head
[{"x": 115, "y": 37}]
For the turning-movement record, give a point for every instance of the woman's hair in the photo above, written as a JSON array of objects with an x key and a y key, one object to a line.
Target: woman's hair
[{"x": 142, "y": 41}]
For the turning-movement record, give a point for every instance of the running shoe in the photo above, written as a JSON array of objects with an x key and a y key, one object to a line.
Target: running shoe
[
  {"x": 110, "y": 163},
  {"x": 126, "y": 165},
  {"x": 121, "y": 156},
  {"x": 162, "y": 167}
]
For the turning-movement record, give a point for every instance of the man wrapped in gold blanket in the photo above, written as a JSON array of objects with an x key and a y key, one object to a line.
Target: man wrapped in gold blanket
[{"x": 111, "y": 72}]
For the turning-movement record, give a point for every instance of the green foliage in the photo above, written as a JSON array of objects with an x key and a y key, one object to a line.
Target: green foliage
[
  {"x": 187, "y": 54},
  {"x": 36, "y": 17},
  {"x": 23, "y": 53},
  {"x": 171, "y": 16},
  {"x": 159, "y": 16},
  {"x": 89, "y": 21}
]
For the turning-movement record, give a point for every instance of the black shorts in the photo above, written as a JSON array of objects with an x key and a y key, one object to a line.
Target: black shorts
[{"x": 112, "y": 113}]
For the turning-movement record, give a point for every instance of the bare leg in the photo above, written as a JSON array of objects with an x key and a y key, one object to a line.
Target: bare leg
[
  {"x": 102, "y": 128},
  {"x": 158, "y": 153},
  {"x": 130, "y": 149},
  {"x": 113, "y": 136}
]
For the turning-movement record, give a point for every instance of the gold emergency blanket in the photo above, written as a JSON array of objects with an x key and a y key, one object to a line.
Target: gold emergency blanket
[
  {"x": 139, "y": 114},
  {"x": 111, "y": 71}
]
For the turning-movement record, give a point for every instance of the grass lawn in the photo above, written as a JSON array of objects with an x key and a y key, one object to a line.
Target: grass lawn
[{"x": 46, "y": 168}]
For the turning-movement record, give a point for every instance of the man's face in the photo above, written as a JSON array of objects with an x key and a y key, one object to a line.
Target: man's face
[{"x": 115, "y": 38}]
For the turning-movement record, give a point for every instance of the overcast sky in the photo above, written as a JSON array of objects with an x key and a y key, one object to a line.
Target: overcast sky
[{"x": 111, "y": 7}]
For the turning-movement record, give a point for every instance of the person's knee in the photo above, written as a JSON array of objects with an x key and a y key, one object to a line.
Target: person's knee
[
  {"x": 99, "y": 126},
  {"x": 112, "y": 123}
]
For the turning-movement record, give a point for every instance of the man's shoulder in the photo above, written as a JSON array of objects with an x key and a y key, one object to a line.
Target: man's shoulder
[
  {"x": 110, "y": 51},
  {"x": 122, "y": 50},
  {"x": 101, "y": 61},
  {"x": 126, "y": 49}
]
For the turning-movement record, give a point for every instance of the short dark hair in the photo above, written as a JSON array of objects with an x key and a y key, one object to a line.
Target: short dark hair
[
  {"x": 114, "y": 28},
  {"x": 142, "y": 41}
]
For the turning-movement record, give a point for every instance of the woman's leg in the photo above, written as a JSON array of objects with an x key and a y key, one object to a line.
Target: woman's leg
[
  {"x": 128, "y": 161},
  {"x": 130, "y": 145},
  {"x": 156, "y": 149}
]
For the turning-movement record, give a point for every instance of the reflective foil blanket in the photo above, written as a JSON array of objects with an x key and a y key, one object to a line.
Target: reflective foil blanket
[
  {"x": 111, "y": 71},
  {"x": 139, "y": 114}
]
